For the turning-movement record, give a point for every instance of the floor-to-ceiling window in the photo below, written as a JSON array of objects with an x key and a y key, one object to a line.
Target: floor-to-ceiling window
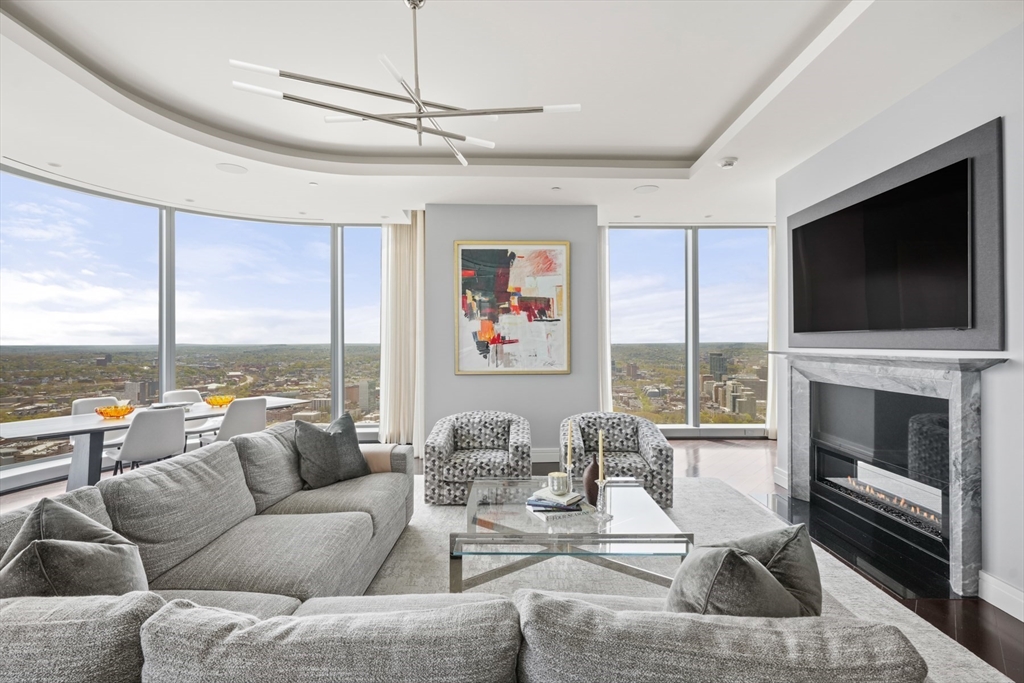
[
  {"x": 253, "y": 313},
  {"x": 362, "y": 323},
  {"x": 647, "y": 280},
  {"x": 653, "y": 375},
  {"x": 733, "y": 306},
  {"x": 78, "y": 305}
]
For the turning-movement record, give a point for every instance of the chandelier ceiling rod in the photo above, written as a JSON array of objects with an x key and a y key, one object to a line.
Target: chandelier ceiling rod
[{"x": 425, "y": 109}]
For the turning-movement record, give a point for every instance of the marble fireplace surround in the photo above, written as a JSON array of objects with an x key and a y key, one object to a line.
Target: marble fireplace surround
[{"x": 956, "y": 379}]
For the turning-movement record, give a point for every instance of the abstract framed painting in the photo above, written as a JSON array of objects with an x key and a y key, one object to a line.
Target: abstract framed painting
[{"x": 511, "y": 308}]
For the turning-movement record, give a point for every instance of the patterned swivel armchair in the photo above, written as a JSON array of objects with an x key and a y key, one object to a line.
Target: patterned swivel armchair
[
  {"x": 633, "y": 447},
  {"x": 483, "y": 444}
]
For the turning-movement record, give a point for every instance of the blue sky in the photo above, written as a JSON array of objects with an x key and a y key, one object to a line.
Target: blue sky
[
  {"x": 648, "y": 293},
  {"x": 80, "y": 269}
]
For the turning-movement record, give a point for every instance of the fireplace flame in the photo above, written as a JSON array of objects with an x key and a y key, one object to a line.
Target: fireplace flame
[{"x": 893, "y": 500}]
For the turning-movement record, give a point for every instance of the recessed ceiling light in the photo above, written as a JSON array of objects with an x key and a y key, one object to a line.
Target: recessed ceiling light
[
  {"x": 727, "y": 162},
  {"x": 383, "y": 216},
  {"x": 302, "y": 213},
  {"x": 556, "y": 188},
  {"x": 232, "y": 168},
  {"x": 645, "y": 189},
  {"x": 189, "y": 200},
  {"x": 313, "y": 183},
  {"x": 636, "y": 216},
  {"x": 708, "y": 215},
  {"x": 53, "y": 163}
]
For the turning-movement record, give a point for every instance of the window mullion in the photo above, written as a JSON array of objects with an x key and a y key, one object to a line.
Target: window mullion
[
  {"x": 166, "y": 315},
  {"x": 692, "y": 330},
  {"x": 337, "y": 321}
]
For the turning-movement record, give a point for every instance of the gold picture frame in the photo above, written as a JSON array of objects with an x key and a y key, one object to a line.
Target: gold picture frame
[{"x": 512, "y": 309}]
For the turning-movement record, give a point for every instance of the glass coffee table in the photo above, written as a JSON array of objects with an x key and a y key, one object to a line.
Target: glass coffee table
[{"x": 498, "y": 523}]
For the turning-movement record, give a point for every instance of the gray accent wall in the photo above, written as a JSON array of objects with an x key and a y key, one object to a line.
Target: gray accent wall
[
  {"x": 983, "y": 87},
  {"x": 544, "y": 400}
]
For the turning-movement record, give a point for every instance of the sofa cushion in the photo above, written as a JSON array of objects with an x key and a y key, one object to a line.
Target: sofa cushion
[
  {"x": 58, "y": 640},
  {"x": 60, "y": 551},
  {"x": 86, "y": 500},
  {"x": 569, "y": 640},
  {"x": 259, "y": 605},
  {"x": 375, "y": 604},
  {"x": 469, "y": 465},
  {"x": 270, "y": 462},
  {"x": 382, "y": 496},
  {"x": 303, "y": 556},
  {"x": 174, "y": 508},
  {"x": 725, "y": 578},
  {"x": 331, "y": 454},
  {"x": 481, "y": 429},
  {"x": 474, "y": 642},
  {"x": 728, "y": 581}
]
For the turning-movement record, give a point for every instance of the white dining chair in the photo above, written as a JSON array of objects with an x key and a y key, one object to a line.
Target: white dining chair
[
  {"x": 192, "y": 396},
  {"x": 85, "y": 406},
  {"x": 243, "y": 416},
  {"x": 152, "y": 435}
]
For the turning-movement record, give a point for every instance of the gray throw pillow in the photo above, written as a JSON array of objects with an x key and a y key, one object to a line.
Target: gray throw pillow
[
  {"x": 774, "y": 574},
  {"x": 329, "y": 455},
  {"x": 61, "y": 552}
]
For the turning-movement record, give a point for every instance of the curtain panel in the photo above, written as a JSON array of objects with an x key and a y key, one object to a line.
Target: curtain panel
[{"x": 402, "y": 340}]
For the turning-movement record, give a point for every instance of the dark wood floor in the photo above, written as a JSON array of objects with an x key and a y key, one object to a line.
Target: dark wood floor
[{"x": 748, "y": 465}]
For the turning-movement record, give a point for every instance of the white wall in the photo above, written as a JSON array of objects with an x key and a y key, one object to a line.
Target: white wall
[
  {"x": 544, "y": 400},
  {"x": 985, "y": 86}
]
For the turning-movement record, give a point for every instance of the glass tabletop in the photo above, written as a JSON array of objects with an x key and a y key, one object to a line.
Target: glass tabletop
[{"x": 498, "y": 522}]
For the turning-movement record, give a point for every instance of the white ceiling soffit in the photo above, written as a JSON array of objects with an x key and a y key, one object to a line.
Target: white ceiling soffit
[
  {"x": 112, "y": 139},
  {"x": 658, "y": 81}
]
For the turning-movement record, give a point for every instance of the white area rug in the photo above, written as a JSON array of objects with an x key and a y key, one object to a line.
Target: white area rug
[{"x": 713, "y": 511}]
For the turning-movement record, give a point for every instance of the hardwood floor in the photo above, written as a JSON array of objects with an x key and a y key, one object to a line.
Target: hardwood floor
[{"x": 748, "y": 465}]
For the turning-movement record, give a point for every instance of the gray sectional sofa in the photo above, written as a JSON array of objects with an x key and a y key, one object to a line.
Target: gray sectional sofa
[
  {"x": 230, "y": 520},
  {"x": 252, "y": 578}
]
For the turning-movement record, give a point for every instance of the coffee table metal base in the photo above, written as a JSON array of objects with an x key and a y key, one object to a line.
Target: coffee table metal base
[{"x": 553, "y": 546}]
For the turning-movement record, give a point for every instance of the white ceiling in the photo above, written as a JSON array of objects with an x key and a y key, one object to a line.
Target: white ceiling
[{"x": 135, "y": 98}]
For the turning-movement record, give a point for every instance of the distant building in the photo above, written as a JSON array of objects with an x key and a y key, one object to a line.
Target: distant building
[
  {"x": 321, "y": 405},
  {"x": 761, "y": 372},
  {"x": 352, "y": 394},
  {"x": 758, "y": 386},
  {"x": 368, "y": 394},
  {"x": 142, "y": 392},
  {"x": 632, "y": 371},
  {"x": 308, "y": 416},
  {"x": 104, "y": 360},
  {"x": 719, "y": 365}
]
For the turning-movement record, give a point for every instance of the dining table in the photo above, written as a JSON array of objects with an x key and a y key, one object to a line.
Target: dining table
[{"x": 87, "y": 456}]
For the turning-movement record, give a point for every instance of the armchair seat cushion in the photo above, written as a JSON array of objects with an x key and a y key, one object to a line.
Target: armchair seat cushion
[
  {"x": 303, "y": 556},
  {"x": 619, "y": 431},
  {"x": 476, "y": 463},
  {"x": 483, "y": 429}
]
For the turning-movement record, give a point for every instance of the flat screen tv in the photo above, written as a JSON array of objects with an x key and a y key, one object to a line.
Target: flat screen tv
[{"x": 900, "y": 260}]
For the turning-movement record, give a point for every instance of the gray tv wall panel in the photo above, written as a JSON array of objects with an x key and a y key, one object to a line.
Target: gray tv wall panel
[{"x": 984, "y": 146}]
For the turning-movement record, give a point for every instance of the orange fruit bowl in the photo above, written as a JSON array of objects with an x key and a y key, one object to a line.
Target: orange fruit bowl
[
  {"x": 114, "y": 412},
  {"x": 219, "y": 401}
]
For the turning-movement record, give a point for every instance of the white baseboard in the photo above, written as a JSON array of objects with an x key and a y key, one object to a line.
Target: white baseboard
[
  {"x": 1001, "y": 594},
  {"x": 544, "y": 455},
  {"x": 781, "y": 478}
]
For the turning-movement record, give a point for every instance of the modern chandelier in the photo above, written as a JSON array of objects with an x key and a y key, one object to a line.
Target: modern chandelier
[{"x": 422, "y": 120}]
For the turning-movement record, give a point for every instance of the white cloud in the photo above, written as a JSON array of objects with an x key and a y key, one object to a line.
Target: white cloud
[{"x": 652, "y": 310}]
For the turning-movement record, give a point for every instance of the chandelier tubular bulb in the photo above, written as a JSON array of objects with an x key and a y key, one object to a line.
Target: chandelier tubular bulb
[
  {"x": 479, "y": 143},
  {"x": 257, "y": 90},
  {"x": 561, "y": 108},
  {"x": 256, "y": 68}
]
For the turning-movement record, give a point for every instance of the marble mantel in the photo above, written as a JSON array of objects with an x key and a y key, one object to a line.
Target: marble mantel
[{"x": 957, "y": 380}]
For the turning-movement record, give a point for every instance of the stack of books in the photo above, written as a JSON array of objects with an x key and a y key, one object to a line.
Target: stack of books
[{"x": 549, "y": 506}]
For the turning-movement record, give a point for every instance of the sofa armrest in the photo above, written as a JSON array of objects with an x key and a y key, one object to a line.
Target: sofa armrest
[
  {"x": 519, "y": 447},
  {"x": 654, "y": 447},
  {"x": 440, "y": 445}
]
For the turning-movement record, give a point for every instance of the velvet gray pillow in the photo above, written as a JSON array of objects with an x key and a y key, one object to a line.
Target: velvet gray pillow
[
  {"x": 329, "y": 455},
  {"x": 61, "y": 552},
  {"x": 774, "y": 574}
]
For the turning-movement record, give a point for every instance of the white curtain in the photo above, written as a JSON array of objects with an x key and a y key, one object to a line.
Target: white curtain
[
  {"x": 771, "y": 414},
  {"x": 401, "y": 332},
  {"x": 604, "y": 340}
]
